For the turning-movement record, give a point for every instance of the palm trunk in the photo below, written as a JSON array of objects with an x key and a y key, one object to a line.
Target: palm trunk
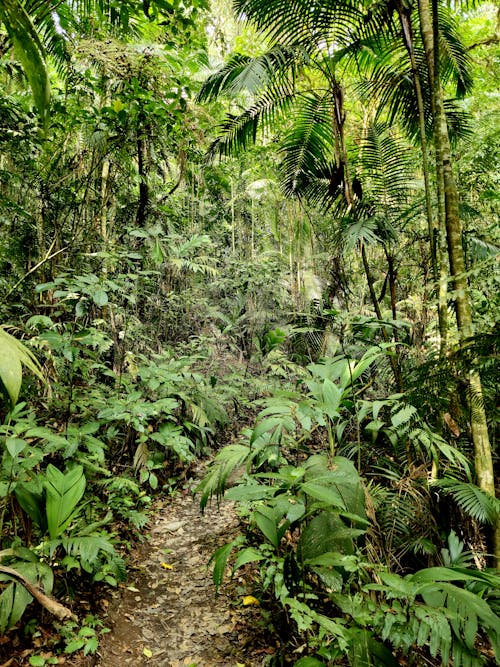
[{"x": 482, "y": 449}]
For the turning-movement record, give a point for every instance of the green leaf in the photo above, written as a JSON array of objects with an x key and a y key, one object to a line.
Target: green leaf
[
  {"x": 248, "y": 555},
  {"x": 74, "y": 646},
  {"x": 64, "y": 491},
  {"x": 326, "y": 494},
  {"x": 365, "y": 651},
  {"x": 100, "y": 298},
  {"x": 308, "y": 662},
  {"x": 10, "y": 374},
  {"x": 37, "y": 661},
  {"x": 30, "y": 52},
  {"x": 220, "y": 558},
  {"x": 15, "y": 446},
  {"x": 14, "y": 355},
  {"x": 29, "y": 495},
  {"x": 265, "y": 519}
]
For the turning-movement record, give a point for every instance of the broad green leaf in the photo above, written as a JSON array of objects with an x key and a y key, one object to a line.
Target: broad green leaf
[
  {"x": 220, "y": 558},
  {"x": 100, "y": 298},
  {"x": 14, "y": 355},
  {"x": 265, "y": 519},
  {"x": 249, "y": 492},
  {"x": 248, "y": 555},
  {"x": 64, "y": 491},
  {"x": 30, "y": 496},
  {"x": 11, "y": 373},
  {"x": 15, "y": 446},
  {"x": 326, "y": 494},
  {"x": 30, "y": 52}
]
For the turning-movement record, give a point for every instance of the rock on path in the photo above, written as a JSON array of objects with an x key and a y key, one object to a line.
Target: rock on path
[{"x": 168, "y": 614}]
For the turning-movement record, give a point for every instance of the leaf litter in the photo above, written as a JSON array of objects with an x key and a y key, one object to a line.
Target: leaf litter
[{"x": 168, "y": 614}]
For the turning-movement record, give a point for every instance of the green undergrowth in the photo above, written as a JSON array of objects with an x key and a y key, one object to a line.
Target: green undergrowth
[
  {"x": 351, "y": 505},
  {"x": 84, "y": 454}
]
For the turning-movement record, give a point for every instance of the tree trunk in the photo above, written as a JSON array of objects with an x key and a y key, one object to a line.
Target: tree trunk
[{"x": 482, "y": 449}]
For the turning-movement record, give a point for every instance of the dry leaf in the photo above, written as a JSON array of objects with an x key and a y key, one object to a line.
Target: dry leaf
[{"x": 452, "y": 424}]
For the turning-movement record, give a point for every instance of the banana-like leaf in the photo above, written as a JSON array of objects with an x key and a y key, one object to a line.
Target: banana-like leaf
[
  {"x": 13, "y": 356},
  {"x": 29, "y": 50},
  {"x": 64, "y": 492}
]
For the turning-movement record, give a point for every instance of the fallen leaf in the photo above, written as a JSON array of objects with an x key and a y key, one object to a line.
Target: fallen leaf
[
  {"x": 249, "y": 599},
  {"x": 148, "y": 653},
  {"x": 167, "y": 566},
  {"x": 452, "y": 424}
]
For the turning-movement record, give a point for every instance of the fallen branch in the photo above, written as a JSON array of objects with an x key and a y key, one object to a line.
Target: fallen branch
[{"x": 50, "y": 604}]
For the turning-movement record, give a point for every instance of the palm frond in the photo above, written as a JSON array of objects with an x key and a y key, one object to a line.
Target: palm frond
[
  {"x": 242, "y": 73},
  {"x": 454, "y": 56},
  {"x": 308, "y": 145},
  {"x": 471, "y": 499},
  {"x": 387, "y": 163},
  {"x": 237, "y": 132},
  {"x": 302, "y": 22}
]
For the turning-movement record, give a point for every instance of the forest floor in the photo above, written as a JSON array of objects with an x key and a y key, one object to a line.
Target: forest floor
[{"x": 168, "y": 614}]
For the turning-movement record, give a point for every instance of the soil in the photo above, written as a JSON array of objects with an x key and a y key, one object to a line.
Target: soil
[{"x": 168, "y": 615}]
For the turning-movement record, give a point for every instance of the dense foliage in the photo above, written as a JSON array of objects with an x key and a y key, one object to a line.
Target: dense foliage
[{"x": 240, "y": 235}]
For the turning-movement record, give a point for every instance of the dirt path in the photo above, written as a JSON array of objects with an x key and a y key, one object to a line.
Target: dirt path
[{"x": 168, "y": 616}]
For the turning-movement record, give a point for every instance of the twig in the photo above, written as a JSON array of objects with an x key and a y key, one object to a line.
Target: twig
[{"x": 37, "y": 266}]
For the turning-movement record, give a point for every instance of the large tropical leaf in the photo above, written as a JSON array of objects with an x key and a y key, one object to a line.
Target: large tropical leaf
[
  {"x": 64, "y": 492},
  {"x": 471, "y": 499},
  {"x": 305, "y": 23},
  {"x": 29, "y": 50},
  {"x": 13, "y": 356}
]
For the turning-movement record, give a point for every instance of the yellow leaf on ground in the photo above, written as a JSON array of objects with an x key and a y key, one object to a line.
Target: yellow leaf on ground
[
  {"x": 167, "y": 566},
  {"x": 249, "y": 599},
  {"x": 148, "y": 653}
]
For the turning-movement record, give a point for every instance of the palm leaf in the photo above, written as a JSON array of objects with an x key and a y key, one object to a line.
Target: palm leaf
[
  {"x": 64, "y": 492},
  {"x": 13, "y": 356},
  {"x": 471, "y": 499},
  {"x": 242, "y": 73},
  {"x": 302, "y": 22},
  {"x": 308, "y": 146},
  {"x": 29, "y": 50},
  {"x": 237, "y": 132}
]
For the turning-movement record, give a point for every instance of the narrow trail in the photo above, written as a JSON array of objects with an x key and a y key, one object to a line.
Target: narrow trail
[{"x": 168, "y": 614}]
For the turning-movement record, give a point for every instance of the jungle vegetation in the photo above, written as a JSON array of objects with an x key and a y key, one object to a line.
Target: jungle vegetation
[{"x": 264, "y": 233}]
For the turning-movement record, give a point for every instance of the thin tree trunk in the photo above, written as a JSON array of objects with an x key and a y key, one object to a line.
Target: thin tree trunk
[
  {"x": 369, "y": 279},
  {"x": 143, "y": 183},
  {"x": 435, "y": 231}
]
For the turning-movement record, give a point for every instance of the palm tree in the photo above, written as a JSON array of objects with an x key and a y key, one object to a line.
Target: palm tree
[{"x": 318, "y": 38}]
